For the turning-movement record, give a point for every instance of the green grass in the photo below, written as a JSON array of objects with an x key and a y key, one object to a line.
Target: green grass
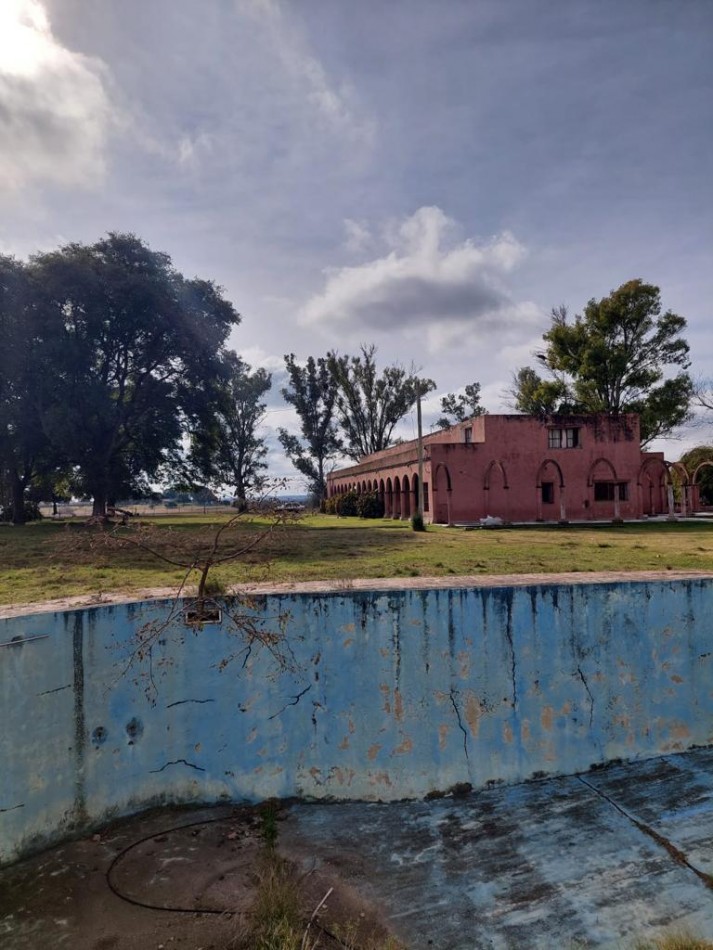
[
  {"x": 48, "y": 560},
  {"x": 676, "y": 941}
]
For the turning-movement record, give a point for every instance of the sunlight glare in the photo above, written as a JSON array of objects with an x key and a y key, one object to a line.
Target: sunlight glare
[{"x": 25, "y": 39}]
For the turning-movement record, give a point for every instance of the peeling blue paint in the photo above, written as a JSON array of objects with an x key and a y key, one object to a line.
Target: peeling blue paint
[{"x": 391, "y": 695}]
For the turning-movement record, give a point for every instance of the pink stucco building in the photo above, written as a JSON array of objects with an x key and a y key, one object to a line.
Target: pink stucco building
[{"x": 520, "y": 468}]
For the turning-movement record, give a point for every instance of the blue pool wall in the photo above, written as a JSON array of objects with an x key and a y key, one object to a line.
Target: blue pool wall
[{"x": 365, "y": 695}]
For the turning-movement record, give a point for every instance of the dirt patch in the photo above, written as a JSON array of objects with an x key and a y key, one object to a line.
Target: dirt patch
[{"x": 173, "y": 879}]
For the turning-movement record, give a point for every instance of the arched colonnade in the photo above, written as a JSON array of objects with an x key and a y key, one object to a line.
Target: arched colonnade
[{"x": 654, "y": 485}]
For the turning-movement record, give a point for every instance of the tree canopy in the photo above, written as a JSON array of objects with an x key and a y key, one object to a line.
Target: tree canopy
[
  {"x": 456, "y": 407},
  {"x": 26, "y": 383},
  {"x": 622, "y": 355},
  {"x": 226, "y": 448},
  {"x": 109, "y": 355},
  {"x": 369, "y": 403},
  {"x": 312, "y": 391}
]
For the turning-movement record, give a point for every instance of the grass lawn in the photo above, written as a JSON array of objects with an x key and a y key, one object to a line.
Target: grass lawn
[{"x": 48, "y": 560}]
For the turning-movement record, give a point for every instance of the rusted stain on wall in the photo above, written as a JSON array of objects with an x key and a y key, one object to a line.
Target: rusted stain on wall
[{"x": 473, "y": 713}]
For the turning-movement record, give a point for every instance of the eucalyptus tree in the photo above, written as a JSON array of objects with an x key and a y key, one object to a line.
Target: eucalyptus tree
[
  {"x": 371, "y": 403},
  {"x": 456, "y": 407},
  {"x": 228, "y": 449},
  {"x": 312, "y": 392}
]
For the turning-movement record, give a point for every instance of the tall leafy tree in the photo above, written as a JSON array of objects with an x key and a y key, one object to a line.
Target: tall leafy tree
[
  {"x": 227, "y": 449},
  {"x": 621, "y": 355},
  {"x": 456, "y": 407},
  {"x": 369, "y": 403},
  {"x": 136, "y": 350},
  {"x": 25, "y": 387},
  {"x": 536, "y": 396},
  {"x": 312, "y": 391}
]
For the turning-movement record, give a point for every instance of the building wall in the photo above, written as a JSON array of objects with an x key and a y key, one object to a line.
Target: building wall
[
  {"x": 501, "y": 469},
  {"x": 387, "y": 695}
]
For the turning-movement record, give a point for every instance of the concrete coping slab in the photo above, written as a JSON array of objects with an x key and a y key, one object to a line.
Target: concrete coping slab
[{"x": 343, "y": 586}]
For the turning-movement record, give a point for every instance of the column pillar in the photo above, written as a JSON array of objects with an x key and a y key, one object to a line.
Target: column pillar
[
  {"x": 563, "y": 506},
  {"x": 669, "y": 495}
]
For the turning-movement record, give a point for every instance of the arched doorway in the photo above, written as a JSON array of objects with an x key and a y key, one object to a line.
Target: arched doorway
[
  {"x": 414, "y": 494},
  {"x": 681, "y": 484},
  {"x": 405, "y": 499},
  {"x": 653, "y": 485},
  {"x": 550, "y": 490},
  {"x": 606, "y": 492},
  {"x": 699, "y": 499},
  {"x": 496, "y": 491},
  {"x": 389, "y": 499},
  {"x": 442, "y": 495}
]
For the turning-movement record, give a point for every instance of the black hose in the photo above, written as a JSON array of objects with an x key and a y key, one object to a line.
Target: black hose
[{"x": 192, "y": 910}]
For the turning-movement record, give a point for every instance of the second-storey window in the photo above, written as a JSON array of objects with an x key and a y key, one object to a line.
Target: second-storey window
[{"x": 563, "y": 438}]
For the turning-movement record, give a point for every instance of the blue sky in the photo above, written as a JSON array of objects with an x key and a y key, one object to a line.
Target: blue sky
[{"x": 430, "y": 177}]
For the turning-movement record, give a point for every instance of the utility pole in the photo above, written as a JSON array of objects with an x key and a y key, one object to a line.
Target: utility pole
[{"x": 420, "y": 456}]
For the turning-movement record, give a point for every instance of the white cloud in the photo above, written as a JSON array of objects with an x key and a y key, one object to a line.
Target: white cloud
[
  {"x": 334, "y": 103},
  {"x": 429, "y": 278},
  {"x": 190, "y": 148},
  {"x": 358, "y": 236},
  {"x": 259, "y": 358},
  {"x": 54, "y": 107}
]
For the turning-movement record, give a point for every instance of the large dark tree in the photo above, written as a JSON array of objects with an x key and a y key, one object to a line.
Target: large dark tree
[
  {"x": 369, "y": 403},
  {"x": 227, "y": 449},
  {"x": 622, "y": 355},
  {"x": 135, "y": 350},
  {"x": 461, "y": 406},
  {"x": 25, "y": 387},
  {"x": 312, "y": 391}
]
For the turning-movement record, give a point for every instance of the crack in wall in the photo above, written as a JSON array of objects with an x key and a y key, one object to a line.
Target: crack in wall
[
  {"x": 178, "y": 762},
  {"x": 180, "y": 702},
  {"x": 678, "y": 856},
  {"x": 57, "y": 689},
  {"x": 11, "y": 808},
  {"x": 453, "y": 693},
  {"x": 295, "y": 700},
  {"x": 589, "y": 693},
  {"x": 20, "y": 641}
]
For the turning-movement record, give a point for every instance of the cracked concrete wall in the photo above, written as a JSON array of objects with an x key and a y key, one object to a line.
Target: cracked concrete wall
[{"x": 391, "y": 695}]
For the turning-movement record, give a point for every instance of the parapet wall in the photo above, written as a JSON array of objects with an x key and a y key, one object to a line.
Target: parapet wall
[{"x": 387, "y": 695}]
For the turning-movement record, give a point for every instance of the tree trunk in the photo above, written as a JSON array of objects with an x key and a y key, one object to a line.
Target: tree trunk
[
  {"x": 99, "y": 505},
  {"x": 18, "y": 499},
  {"x": 240, "y": 501}
]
